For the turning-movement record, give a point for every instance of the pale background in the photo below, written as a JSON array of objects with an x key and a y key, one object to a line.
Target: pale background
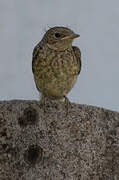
[{"x": 22, "y": 24}]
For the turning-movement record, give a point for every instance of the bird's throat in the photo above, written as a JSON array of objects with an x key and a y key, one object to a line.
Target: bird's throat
[{"x": 60, "y": 46}]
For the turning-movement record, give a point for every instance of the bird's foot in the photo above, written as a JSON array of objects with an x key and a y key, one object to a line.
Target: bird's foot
[{"x": 43, "y": 103}]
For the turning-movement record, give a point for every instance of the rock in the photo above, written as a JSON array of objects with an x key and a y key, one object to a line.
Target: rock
[{"x": 50, "y": 145}]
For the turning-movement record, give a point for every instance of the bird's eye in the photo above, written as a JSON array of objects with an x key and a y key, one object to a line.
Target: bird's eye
[{"x": 57, "y": 35}]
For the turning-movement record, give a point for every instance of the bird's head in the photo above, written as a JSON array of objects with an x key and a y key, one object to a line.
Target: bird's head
[{"x": 59, "y": 38}]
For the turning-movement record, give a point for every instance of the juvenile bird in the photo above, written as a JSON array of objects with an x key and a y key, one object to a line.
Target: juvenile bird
[{"x": 56, "y": 64}]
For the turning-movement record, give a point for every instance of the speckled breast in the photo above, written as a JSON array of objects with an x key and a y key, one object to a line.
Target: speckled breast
[{"x": 56, "y": 73}]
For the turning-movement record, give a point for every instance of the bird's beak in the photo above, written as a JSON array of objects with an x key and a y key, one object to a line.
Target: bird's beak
[{"x": 73, "y": 36}]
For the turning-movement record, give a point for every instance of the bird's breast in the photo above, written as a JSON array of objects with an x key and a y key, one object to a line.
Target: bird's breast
[
  {"x": 61, "y": 63},
  {"x": 57, "y": 73}
]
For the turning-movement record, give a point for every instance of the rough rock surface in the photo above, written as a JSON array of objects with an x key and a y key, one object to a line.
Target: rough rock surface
[{"x": 50, "y": 145}]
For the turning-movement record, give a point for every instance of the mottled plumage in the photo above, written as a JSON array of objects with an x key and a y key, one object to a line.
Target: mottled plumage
[{"x": 56, "y": 63}]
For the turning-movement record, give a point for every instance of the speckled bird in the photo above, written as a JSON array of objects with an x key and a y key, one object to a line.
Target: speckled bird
[{"x": 56, "y": 64}]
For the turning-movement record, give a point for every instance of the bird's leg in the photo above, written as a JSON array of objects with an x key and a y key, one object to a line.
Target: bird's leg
[
  {"x": 67, "y": 105},
  {"x": 43, "y": 102}
]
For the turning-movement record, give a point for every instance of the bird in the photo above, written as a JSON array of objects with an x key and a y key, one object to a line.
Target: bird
[{"x": 56, "y": 64}]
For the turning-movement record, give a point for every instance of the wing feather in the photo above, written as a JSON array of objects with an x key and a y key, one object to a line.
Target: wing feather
[
  {"x": 77, "y": 53},
  {"x": 34, "y": 58}
]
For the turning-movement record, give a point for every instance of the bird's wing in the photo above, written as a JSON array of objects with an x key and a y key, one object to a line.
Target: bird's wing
[
  {"x": 34, "y": 58},
  {"x": 37, "y": 56},
  {"x": 77, "y": 53}
]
